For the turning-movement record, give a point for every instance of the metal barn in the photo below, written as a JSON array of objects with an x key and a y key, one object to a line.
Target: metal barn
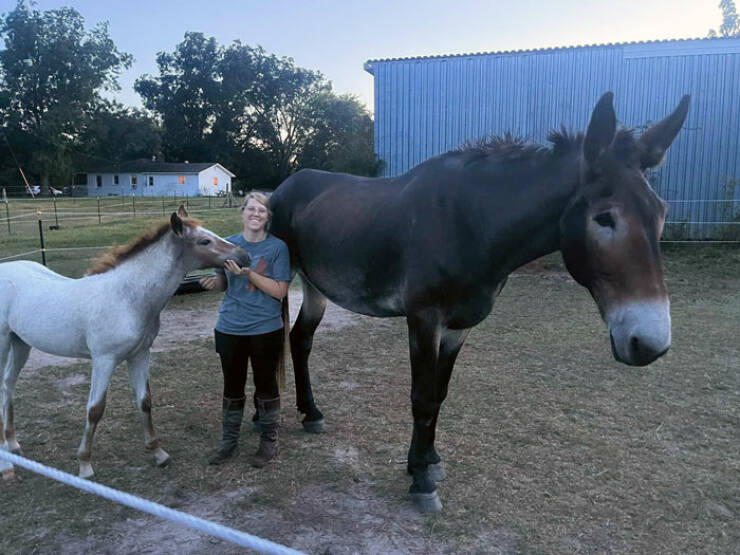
[{"x": 428, "y": 105}]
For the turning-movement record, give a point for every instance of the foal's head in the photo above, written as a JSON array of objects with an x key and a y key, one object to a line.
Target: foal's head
[
  {"x": 611, "y": 229},
  {"x": 204, "y": 248}
]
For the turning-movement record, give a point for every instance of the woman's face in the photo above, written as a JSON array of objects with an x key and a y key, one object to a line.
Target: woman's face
[{"x": 254, "y": 216}]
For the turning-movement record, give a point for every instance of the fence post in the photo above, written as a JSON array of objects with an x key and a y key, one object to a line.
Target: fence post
[
  {"x": 56, "y": 217},
  {"x": 41, "y": 237},
  {"x": 186, "y": 200},
  {"x": 99, "y": 220},
  {"x": 209, "y": 202},
  {"x": 133, "y": 203},
  {"x": 7, "y": 215}
]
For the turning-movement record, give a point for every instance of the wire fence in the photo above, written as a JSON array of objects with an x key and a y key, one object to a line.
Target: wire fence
[
  {"x": 20, "y": 216},
  {"x": 206, "y": 526}
]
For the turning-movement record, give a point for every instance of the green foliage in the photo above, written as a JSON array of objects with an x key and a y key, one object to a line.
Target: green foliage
[
  {"x": 730, "y": 26},
  {"x": 258, "y": 114},
  {"x": 52, "y": 72}
]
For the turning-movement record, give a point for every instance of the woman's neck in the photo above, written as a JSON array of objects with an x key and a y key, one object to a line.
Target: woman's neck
[{"x": 254, "y": 236}]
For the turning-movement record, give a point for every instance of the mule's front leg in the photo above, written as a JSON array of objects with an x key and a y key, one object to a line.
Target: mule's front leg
[
  {"x": 102, "y": 369},
  {"x": 424, "y": 339},
  {"x": 138, "y": 369}
]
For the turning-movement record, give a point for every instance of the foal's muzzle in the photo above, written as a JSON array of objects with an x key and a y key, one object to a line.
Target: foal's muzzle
[{"x": 240, "y": 257}]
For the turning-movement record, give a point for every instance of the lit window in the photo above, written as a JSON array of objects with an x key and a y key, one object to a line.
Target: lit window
[
  {"x": 215, "y": 181},
  {"x": 99, "y": 180},
  {"x": 134, "y": 179},
  {"x": 181, "y": 179}
]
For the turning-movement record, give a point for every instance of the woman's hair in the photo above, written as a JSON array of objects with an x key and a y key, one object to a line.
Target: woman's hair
[{"x": 263, "y": 199}]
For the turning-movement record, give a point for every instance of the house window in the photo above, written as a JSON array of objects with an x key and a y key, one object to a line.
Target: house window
[
  {"x": 115, "y": 180},
  {"x": 215, "y": 181},
  {"x": 98, "y": 180},
  {"x": 181, "y": 179},
  {"x": 151, "y": 181},
  {"x": 134, "y": 180}
]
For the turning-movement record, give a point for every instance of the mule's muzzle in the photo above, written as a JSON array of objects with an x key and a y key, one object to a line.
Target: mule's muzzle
[
  {"x": 640, "y": 354},
  {"x": 640, "y": 332}
]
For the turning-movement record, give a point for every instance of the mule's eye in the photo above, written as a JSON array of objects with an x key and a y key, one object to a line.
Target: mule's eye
[
  {"x": 204, "y": 242},
  {"x": 605, "y": 220}
]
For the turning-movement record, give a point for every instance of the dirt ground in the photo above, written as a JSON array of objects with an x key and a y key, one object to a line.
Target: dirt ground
[{"x": 550, "y": 446}]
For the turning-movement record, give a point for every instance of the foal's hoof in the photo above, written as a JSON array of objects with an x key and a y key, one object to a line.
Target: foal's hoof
[
  {"x": 16, "y": 450},
  {"x": 162, "y": 458},
  {"x": 427, "y": 502},
  {"x": 436, "y": 472},
  {"x": 86, "y": 471}
]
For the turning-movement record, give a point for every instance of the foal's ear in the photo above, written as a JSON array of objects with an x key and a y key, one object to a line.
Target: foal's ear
[
  {"x": 176, "y": 224},
  {"x": 656, "y": 140},
  {"x": 182, "y": 212},
  {"x": 601, "y": 129}
]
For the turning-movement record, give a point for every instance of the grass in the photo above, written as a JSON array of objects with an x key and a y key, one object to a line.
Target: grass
[
  {"x": 77, "y": 237},
  {"x": 550, "y": 446}
]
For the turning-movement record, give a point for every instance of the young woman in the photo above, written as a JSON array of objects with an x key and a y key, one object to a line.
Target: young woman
[{"x": 250, "y": 327}]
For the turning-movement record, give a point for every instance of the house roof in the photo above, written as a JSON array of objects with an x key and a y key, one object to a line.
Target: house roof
[
  {"x": 730, "y": 41},
  {"x": 147, "y": 166}
]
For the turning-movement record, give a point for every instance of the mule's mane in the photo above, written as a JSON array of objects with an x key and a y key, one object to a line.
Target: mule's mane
[
  {"x": 120, "y": 253},
  {"x": 508, "y": 148}
]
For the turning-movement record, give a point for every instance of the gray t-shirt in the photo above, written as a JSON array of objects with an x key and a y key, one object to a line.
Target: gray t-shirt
[{"x": 245, "y": 309}]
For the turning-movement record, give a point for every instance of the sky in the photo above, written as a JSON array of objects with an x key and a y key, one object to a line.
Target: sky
[{"x": 336, "y": 37}]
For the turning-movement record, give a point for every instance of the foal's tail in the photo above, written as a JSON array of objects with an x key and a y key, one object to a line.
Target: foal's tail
[{"x": 282, "y": 361}]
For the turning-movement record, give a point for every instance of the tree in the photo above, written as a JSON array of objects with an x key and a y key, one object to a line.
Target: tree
[
  {"x": 342, "y": 138},
  {"x": 52, "y": 73},
  {"x": 185, "y": 96},
  {"x": 256, "y": 113},
  {"x": 730, "y": 26}
]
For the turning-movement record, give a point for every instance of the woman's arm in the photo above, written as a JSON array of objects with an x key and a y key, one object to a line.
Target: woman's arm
[
  {"x": 214, "y": 283},
  {"x": 276, "y": 289}
]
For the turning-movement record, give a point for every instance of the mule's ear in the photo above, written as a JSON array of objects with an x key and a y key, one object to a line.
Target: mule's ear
[
  {"x": 182, "y": 212},
  {"x": 656, "y": 140},
  {"x": 176, "y": 224},
  {"x": 601, "y": 129}
]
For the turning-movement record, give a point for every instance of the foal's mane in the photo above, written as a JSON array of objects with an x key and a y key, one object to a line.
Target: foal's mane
[{"x": 120, "y": 253}]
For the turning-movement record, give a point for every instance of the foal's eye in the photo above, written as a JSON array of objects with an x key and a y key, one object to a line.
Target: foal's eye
[
  {"x": 204, "y": 242},
  {"x": 605, "y": 220}
]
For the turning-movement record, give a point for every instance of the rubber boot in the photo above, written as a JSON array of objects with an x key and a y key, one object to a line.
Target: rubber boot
[
  {"x": 269, "y": 418},
  {"x": 256, "y": 415},
  {"x": 233, "y": 413}
]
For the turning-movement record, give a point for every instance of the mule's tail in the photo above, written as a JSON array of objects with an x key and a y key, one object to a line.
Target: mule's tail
[{"x": 283, "y": 360}]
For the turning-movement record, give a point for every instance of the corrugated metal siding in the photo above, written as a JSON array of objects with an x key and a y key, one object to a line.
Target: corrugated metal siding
[{"x": 427, "y": 106}]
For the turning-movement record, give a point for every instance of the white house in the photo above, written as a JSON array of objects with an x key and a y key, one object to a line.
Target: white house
[{"x": 147, "y": 178}]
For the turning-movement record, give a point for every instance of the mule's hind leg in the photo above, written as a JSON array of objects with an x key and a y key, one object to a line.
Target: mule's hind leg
[
  {"x": 451, "y": 341},
  {"x": 138, "y": 371},
  {"x": 102, "y": 370},
  {"x": 18, "y": 355},
  {"x": 301, "y": 341}
]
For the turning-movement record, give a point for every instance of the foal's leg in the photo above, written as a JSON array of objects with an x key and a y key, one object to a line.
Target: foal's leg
[
  {"x": 102, "y": 370},
  {"x": 18, "y": 356},
  {"x": 301, "y": 341},
  {"x": 138, "y": 370},
  {"x": 424, "y": 341},
  {"x": 4, "y": 361}
]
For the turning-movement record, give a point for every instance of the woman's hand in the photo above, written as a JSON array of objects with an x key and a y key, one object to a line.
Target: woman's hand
[
  {"x": 213, "y": 283},
  {"x": 234, "y": 268}
]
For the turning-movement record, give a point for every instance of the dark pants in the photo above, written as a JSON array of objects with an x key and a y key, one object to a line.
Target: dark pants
[{"x": 262, "y": 350}]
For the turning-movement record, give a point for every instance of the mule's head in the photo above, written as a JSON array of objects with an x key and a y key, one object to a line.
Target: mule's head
[
  {"x": 611, "y": 229},
  {"x": 203, "y": 247}
]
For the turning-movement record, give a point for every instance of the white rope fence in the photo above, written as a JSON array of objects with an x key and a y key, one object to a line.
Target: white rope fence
[{"x": 229, "y": 534}]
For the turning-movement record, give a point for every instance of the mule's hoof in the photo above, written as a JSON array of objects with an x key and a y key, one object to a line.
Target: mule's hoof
[
  {"x": 16, "y": 450},
  {"x": 86, "y": 471},
  {"x": 165, "y": 462},
  {"x": 8, "y": 474},
  {"x": 427, "y": 502},
  {"x": 314, "y": 426},
  {"x": 436, "y": 472}
]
